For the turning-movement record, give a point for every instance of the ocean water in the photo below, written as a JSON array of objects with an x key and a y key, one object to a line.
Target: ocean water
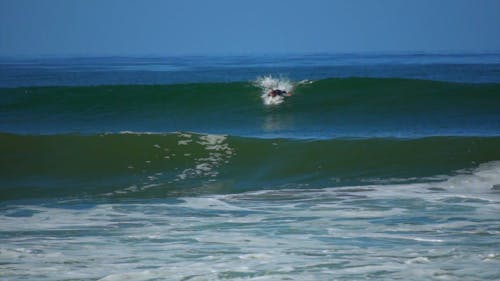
[{"x": 377, "y": 167}]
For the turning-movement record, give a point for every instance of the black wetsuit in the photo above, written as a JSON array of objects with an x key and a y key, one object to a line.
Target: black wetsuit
[{"x": 277, "y": 93}]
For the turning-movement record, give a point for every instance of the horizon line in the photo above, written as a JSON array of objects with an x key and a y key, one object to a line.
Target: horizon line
[{"x": 248, "y": 54}]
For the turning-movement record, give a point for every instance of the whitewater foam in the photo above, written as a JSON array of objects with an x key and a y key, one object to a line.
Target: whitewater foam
[
  {"x": 219, "y": 153},
  {"x": 383, "y": 232},
  {"x": 270, "y": 83}
]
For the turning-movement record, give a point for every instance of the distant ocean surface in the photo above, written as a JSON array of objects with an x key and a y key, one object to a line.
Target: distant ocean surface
[{"x": 377, "y": 167}]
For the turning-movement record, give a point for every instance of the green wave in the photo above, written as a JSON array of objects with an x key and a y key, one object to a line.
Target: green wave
[
  {"x": 203, "y": 95},
  {"x": 330, "y": 107},
  {"x": 124, "y": 97},
  {"x": 386, "y": 94},
  {"x": 160, "y": 165}
]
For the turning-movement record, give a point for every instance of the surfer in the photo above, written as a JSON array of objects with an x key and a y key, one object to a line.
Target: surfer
[{"x": 278, "y": 92}]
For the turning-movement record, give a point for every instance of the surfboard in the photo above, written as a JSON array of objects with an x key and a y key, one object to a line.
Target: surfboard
[{"x": 270, "y": 100}]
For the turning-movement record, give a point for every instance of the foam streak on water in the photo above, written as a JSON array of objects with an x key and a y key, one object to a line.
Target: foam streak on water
[{"x": 444, "y": 230}]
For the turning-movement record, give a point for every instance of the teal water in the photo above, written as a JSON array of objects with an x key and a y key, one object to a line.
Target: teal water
[
  {"x": 328, "y": 108},
  {"x": 377, "y": 167}
]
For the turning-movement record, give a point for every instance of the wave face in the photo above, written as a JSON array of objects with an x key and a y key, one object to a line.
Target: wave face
[
  {"x": 121, "y": 141},
  {"x": 151, "y": 165},
  {"x": 352, "y": 107}
]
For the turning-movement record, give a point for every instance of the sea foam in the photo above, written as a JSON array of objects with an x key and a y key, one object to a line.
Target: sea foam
[{"x": 270, "y": 83}]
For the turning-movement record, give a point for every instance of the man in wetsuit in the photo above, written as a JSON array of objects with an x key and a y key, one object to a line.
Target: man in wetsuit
[{"x": 278, "y": 92}]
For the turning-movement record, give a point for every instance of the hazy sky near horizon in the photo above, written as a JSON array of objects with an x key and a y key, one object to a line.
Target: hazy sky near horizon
[{"x": 173, "y": 27}]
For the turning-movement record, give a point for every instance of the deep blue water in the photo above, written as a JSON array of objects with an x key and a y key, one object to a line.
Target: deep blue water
[{"x": 46, "y": 71}]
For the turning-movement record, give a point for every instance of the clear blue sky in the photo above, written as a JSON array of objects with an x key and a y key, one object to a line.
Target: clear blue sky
[{"x": 167, "y": 27}]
